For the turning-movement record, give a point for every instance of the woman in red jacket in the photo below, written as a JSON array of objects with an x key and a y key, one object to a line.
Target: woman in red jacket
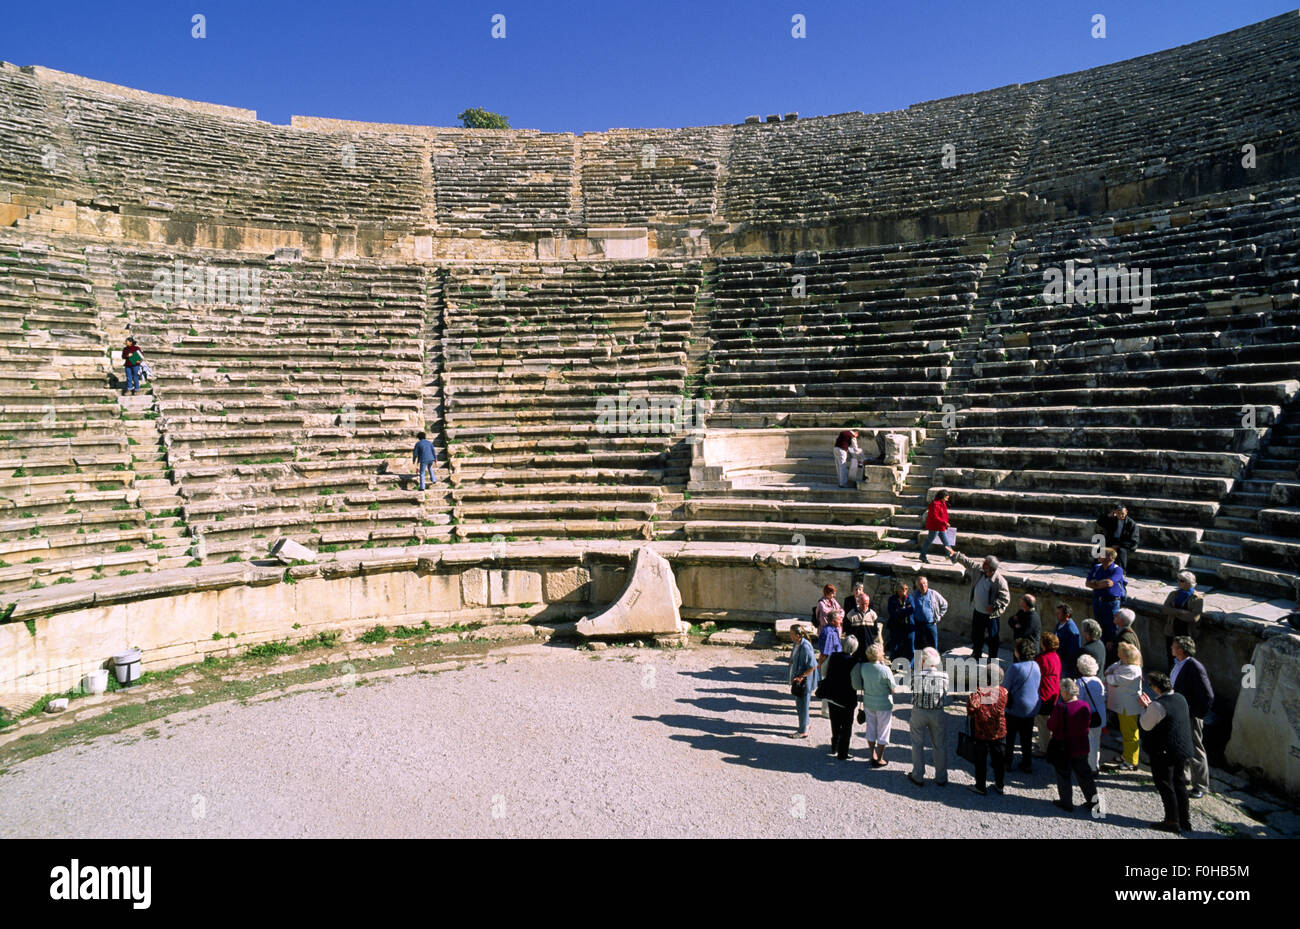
[
  {"x": 1069, "y": 747},
  {"x": 936, "y": 523},
  {"x": 132, "y": 359},
  {"x": 1049, "y": 684}
]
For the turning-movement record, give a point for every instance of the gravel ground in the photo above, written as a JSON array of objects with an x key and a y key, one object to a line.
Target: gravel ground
[{"x": 531, "y": 741}]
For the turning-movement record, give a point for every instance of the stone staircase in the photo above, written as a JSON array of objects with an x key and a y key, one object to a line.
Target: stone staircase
[
  {"x": 1219, "y": 558},
  {"x": 431, "y": 393},
  {"x": 697, "y": 353},
  {"x": 909, "y": 515},
  {"x": 159, "y": 497},
  {"x": 670, "y": 511}
]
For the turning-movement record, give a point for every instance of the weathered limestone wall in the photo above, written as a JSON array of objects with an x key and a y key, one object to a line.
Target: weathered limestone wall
[
  {"x": 172, "y": 615},
  {"x": 181, "y": 616},
  {"x": 160, "y": 225}
]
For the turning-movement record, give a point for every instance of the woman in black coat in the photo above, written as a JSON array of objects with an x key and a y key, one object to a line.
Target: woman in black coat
[{"x": 837, "y": 689}]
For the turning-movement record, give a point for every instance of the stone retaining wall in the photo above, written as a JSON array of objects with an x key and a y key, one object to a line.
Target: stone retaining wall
[{"x": 55, "y": 635}]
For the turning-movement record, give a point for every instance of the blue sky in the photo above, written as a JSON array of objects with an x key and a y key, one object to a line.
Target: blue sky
[{"x": 582, "y": 65}]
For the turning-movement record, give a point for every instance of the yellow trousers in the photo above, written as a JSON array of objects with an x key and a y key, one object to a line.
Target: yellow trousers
[{"x": 1128, "y": 730}]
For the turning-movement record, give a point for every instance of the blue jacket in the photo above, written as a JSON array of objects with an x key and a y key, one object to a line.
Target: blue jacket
[
  {"x": 424, "y": 452},
  {"x": 1071, "y": 647},
  {"x": 802, "y": 659},
  {"x": 828, "y": 640},
  {"x": 925, "y": 625},
  {"x": 1021, "y": 684}
]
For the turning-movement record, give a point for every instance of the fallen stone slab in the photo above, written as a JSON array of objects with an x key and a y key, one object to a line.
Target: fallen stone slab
[
  {"x": 287, "y": 551},
  {"x": 650, "y": 602}
]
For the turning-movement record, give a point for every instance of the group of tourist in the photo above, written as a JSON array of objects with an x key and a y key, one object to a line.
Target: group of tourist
[{"x": 1063, "y": 687}]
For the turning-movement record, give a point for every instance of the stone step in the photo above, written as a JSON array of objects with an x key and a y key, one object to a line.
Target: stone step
[
  {"x": 1239, "y": 576},
  {"x": 1234, "y": 524},
  {"x": 1220, "y": 550}
]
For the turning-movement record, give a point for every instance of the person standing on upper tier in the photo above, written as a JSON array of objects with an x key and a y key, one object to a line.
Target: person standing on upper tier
[
  {"x": 1121, "y": 533},
  {"x": 846, "y": 447}
]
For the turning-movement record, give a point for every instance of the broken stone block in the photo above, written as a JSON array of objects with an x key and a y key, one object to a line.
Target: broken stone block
[
  {"x": 287, "y": 551},
  {"x": 1266, "y": 722},
  {"x": 650, "y": 602}
]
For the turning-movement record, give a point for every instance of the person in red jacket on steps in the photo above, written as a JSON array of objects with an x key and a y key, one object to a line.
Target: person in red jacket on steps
[{"x": 936, "y": 523}]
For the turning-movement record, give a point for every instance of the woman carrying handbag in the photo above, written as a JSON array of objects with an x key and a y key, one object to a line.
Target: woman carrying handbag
[
  {"x": 986, "y": 717},
  {"x": 803, "y": 678}
]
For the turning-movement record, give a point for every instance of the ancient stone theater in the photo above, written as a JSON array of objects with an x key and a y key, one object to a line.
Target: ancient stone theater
[{"x": 633, "y": 352}]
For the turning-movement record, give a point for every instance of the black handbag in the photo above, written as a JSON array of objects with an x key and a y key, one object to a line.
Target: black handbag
[
  {"x": 799, "y": 687},
  {"x": 966, "y": 743}
]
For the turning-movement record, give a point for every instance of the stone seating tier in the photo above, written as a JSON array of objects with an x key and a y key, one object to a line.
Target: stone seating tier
[
  {"x": 527, "y": 366},
  {"x": 1017, "y": 155},
  {"x": 296, "y": 414}
]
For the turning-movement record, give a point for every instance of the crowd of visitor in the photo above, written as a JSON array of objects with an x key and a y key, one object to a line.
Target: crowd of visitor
[{"x": 1065, "y": 685}]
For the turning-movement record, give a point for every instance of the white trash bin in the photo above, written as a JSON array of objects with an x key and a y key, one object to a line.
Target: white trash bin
[
  {"x": 126, "y": 666},
  {"x": 96, "y": 682}
]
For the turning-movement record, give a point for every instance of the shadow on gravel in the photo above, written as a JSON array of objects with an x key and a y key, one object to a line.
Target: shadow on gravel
[{"x": 762, "y": 689}]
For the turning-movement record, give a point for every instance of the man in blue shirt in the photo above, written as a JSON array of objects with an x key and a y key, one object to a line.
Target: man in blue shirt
[
  {"x": 928, "y": 607},
  {"x": 1106, "y": 581},
  {"x": 425, "y": 457}
]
